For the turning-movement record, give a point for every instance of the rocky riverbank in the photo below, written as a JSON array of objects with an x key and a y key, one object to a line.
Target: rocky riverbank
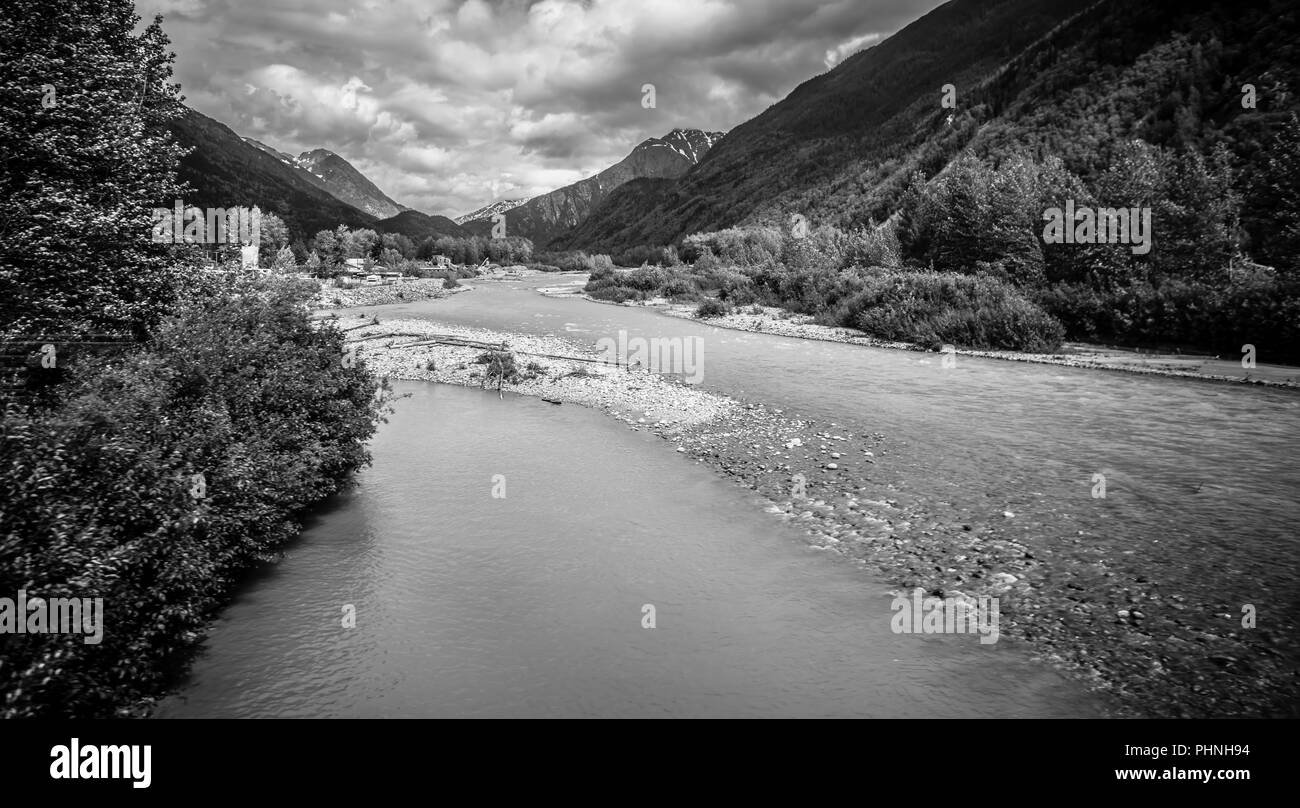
[
  {"x": 1150, "y": 635},
  {"x": 1160, "y": 639},
  {"x": 408, "y": 291},
  {"x": 552, "y": 368},
  {"x": 770, "y": 320}
]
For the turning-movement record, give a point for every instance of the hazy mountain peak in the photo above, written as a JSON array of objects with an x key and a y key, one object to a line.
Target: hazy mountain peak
[
  {"x": 348, "y": 184},
  {"x": 691, "y": 144},
  {"x": 490, "y": 210},
  {"x": 542, "y": 217}
]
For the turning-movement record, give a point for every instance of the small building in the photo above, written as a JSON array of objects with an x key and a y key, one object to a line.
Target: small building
[{"x": 440, "y": 262}]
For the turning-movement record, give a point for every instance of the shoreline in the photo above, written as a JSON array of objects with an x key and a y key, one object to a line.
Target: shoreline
[
  {"x": 569, "y": 372},
  {"x": 1057, "y": 603},
  {"x": 784, "y": 323},
  {"x": 760, "y": 449},
  {"x": 409, "y": 291}
]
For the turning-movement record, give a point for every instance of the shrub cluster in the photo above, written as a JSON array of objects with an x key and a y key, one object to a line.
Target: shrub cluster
[
  {"x": 101, "y": 499},
  {"x": 934, "y": 308}
]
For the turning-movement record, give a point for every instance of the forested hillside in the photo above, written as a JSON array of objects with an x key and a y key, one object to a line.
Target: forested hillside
[
  {"x": 223, "y": 170},
  {"x": 1183, "y": 116}
]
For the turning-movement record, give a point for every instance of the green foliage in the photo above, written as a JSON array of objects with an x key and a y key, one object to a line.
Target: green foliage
[
  {"x": 933, "y": 308},
  {"x": 641, "y": 254},
  {"x": 735, "y": 246},
  {"x": 712, "y": 308},
  {"x": 577, "y": 261},
  {"x": 238, "y": 385},
  {"x": 502, "y": 366},
  {"x": 607, "y": 283},
  {"x": 274, "y": 235},
  {"x": 1272, "y": 210},
  {"x": 472, "y": 250},
  {"x": 82, "y": 176},
  {"x": 284, "y": 261}
]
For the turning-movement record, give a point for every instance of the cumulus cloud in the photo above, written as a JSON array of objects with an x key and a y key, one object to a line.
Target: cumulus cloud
[{"x": 450, "y": 104}]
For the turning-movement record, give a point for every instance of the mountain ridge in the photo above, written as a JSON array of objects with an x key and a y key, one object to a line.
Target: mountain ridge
[
  {"x": 545, "y": 216},
  {"x": 836, "y": 130},
  {"x": 344, "y": 181}
]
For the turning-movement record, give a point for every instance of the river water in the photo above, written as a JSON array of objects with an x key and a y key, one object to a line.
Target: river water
[{"x": 532, "y": 604}]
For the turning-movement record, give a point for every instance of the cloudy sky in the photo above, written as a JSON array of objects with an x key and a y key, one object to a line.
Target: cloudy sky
[{"x": 450, "y": 104}]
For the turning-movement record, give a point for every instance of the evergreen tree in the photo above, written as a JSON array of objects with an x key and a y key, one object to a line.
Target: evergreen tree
[
  {"x": 284, "y": 261},
  {"x": 84, "y": 103},
  {"x": 1274, "y": 201},
  {"x": 961, "y": 232}
]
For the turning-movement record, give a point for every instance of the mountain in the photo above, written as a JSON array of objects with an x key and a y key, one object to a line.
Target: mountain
[
  {"x": 346, "y": 183},
  {"x": 1073, "y": 78},
  {"x": 543, "y": 217},
  {"x": 224, "y": 170},
  {"x": 331, "y": 173},
  {"x": 488, "y": 211},
  {"x": 276, "y": 153},
  {"x": 834, "y": 133},
  {"x": 292, "y": 162},
  {"x": 418, "y": 226}
]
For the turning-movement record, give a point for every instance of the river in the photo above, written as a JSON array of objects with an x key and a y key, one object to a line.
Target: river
[{"x": 531, "y": 604}]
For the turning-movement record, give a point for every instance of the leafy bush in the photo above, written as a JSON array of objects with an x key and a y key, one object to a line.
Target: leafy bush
[
  {"x": 450, "y": 282},
  {"x": 501, "y": 366},
  {"x": 1256, "y": 307},
  {"x": 645, "y": 279},
  {"x": 934, "y": 308},
  {"x": 241, "y": 388},
  {"x": 577, "y": 261},
  {"x": 679, "y": 287},
  {"x": 606, "y": 283},
  {"x": 712, "y": 308}
]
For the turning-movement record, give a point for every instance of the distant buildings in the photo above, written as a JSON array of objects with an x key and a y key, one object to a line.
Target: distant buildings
[{"x": 366, "y": 271}]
